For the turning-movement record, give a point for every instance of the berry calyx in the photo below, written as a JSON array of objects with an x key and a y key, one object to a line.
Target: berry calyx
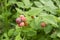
[{"x": 26, "y": 24}]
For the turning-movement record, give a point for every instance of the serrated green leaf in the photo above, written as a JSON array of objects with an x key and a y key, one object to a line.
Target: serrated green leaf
[
  {"x": 27, "y": 3},
  {"x": 50, "y": 10},
  {"x": 20, "y": 4},
  {"x": 38, "y": 4},
  {"x": 34, "y": 11},
  {"x": 48, "y": 3},
  {"x": 49, "y": 6}
]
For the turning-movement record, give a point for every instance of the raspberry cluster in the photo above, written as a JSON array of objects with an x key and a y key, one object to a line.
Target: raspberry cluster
[{"x": 21, "y": 21}]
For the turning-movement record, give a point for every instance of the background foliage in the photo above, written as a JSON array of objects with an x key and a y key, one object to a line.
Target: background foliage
[{"x": 47, "y": 11}]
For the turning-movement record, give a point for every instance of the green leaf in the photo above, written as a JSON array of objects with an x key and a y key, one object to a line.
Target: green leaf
[
  {"x": 34, "y": 11},
  {"x": 38, "y": 4},
  {"x": 6, "y": 36},
  {"x": 20, "y": 4},
  {"x": 18, "y": 37},
  {"x": 27, "y": 3},
  {"x": 17, "y": 30},
  {"x": 19, "y": 11},
  {"x": 53, "y": 11},
  {"x": 49, "y": 6},
  {"x": 11, "y": 2},
  {"x": 37, "y": 21},
  {"x": 48, "y": 3},
  {"x": 57, "y": 2},
  {"x": 33, "y": 25},
  {"x": 58, "y": 34},
  {"x": 58, "y": 11},
  {"x": 1, "y": 16},
  {"x": 47, "y": 29},
  {"x": 42, "y": 38},
  {"x": 56, "y": 39},
  {"x": 54, "y": 35},
  {"x": 10, "y": 32},
  {"x": 29, "y": 32}
]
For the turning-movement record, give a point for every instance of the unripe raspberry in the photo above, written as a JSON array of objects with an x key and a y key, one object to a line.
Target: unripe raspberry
[
  {"x": 43, "y": 24},
  {"x": 21, "y": 24},
  {"x": 18, "y": 20},
  {"x": 21, "y": 16}
]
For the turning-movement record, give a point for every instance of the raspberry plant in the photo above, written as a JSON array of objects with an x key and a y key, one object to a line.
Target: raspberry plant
[{"x": 29, "y": 19}]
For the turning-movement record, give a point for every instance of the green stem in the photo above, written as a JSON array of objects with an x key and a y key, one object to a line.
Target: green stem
[{"x": 5, "y": 16}]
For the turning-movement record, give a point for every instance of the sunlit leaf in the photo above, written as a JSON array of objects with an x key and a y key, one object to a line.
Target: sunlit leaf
[
  {"x": 27, "y": 3},
  {"x": 18, "y": 37}
]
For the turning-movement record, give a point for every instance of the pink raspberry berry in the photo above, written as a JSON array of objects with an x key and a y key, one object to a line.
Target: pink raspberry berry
[
  {"x": 18, "y": 20},
  {"x": 23, "y": 19},
  {"x": 21, "y": 24}
]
